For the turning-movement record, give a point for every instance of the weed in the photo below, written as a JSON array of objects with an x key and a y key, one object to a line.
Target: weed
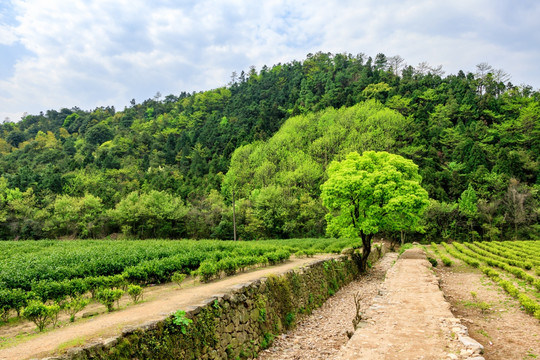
[
  {"x": 71, "y": 343},
  {"x": 483, "y": 332},
  {"x": 404, "y": 247},
  {"x": 289, "y": 319},
  {"x": 358, "y": 316},
  {"x": 267, "y": 340},
  {"x": 181, "y": 320}
]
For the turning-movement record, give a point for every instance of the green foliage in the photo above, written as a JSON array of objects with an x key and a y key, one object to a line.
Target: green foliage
[
  {"x": 404, "y": 247},
  {"x": 180, "y": 319},
  {"x": 446, "y": 261},
  {"x": 273, "y": 133},
  {"x": 290, "y": 318},
  {"x": 228, "y": 265},
  {"x": 135, "y": 292},
  {"x": 150, "y": 215},
  {"x": 40, "y": 314},
  {"x": 375, "y": 192},
  {"x": 75, "y": 305},
  {"x": 61, "y": 270},
  {"x": 108, "y": 296},
  {"x": 178, "y": 278},
  {"x": 208, "y": 270},
  {"x": 13, "y": 299},
  {"x": 76, "y": 216}
]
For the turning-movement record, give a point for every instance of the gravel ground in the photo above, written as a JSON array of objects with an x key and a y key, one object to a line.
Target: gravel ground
[{"x": 322, "y": 334}]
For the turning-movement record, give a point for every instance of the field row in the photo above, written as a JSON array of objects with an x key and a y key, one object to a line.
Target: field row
[
  {"x": 53, "y": 271},
  {"x": 514, "y": 258}
]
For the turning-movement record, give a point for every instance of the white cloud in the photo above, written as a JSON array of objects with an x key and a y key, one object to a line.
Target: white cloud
[{"x": 90, "y": 53}]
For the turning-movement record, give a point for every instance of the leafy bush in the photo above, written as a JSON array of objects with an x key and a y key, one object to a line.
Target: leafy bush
[
  {"x": 228, "y": 265},
  {"x": 14, "y": 299},
  {"x": 107, "y": 297},
  {"x": 40, "y": 314},
  {"x": 136, "y": 292},
  {"x": 207, "y": 270},
  {"x": 75, "y": 305},
  {"x": 446, "y": 261},
  {"x": 178, "y": 278}
]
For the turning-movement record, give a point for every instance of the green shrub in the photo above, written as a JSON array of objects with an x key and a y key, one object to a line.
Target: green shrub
[
  {"x": 107, "y": 297},
  {"x": 55, "y": 311},
  {"x": 75, "y": 305},
  {"x": 207, "y": 270},
  {"x": 14, "y": 299},
  {"x": 40, "y": 314},
  {"x": 136, "y": 292},
  {"x": 432, "y": 261},
  {"x": 228, "y": 265},
  {"x": 178, "y": 278},
  {"x": 446, "y": 261}
]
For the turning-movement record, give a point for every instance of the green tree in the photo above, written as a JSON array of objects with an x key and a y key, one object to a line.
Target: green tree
[
  {"x": 468, "y": 206},
  {"x": 76, "y": 216},
  {"x": 375, "y": 192}
]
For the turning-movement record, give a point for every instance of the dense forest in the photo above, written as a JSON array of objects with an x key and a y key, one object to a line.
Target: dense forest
[{"x": 169, "y": 166}]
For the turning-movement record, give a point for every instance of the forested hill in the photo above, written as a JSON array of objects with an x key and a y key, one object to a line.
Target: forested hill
[{"x": 159, "y": 168}]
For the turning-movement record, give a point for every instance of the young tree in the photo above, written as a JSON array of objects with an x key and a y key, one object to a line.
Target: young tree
[
  {"x": 520, "y": 206},
  {"x": 375, "y": 192},
  {"x": 468, "y": 207}
]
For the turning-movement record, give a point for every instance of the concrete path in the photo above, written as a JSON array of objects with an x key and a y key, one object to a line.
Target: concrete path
[{"x": 410, "y": 319}]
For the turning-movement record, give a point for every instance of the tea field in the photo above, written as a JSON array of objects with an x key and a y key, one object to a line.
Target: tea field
[
  {"x": 513, "y": 265},
  {"x": 54, "y": 271}
]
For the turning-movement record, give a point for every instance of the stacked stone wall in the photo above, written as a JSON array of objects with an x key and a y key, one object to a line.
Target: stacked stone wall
[{"x": 236, "y": 325}]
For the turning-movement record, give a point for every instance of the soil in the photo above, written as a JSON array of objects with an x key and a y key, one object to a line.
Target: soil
[
  {"x": 410, "y": 319},
  {"x": 405, "y": 316},
  {"x": 321, "y": 335},
  {"x": 505, "y": 331},
  {"x": 160, "y": 301}
]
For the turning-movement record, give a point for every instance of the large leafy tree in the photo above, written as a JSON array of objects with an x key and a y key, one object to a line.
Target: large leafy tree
[{"x": 375, "y": 192}]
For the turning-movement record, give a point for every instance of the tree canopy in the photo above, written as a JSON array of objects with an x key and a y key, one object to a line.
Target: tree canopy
[
  {"x": 370, "y": 193},
  {"x": 273, "y": 133}
]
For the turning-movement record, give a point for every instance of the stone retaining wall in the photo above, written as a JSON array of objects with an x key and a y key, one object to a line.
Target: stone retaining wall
[{"x": 236, "y": 325}]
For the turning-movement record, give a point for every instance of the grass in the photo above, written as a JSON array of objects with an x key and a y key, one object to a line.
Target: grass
[
  {"x": 71, "y": 343},
  {"x": 483, "y": 332}
]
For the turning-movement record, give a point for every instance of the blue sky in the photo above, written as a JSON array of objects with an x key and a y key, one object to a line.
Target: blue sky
[{"x": 89, "y": 53}]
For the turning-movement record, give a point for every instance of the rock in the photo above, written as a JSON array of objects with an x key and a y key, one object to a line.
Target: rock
[
  {"x": 472, "y": 344},
  {"x": 90, "y": 314},
  {"x": 466, "y": 352},
  {"x": 453, "y": 357},
  {"x": 110, "y": 342}
]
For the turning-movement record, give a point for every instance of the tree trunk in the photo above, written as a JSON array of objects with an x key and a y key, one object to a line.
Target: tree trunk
[
  {"x": 402, "y": 237},
  {"x": 361, "y": 261}
]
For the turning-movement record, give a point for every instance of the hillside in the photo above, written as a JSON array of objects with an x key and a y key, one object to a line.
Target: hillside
[{"x": 161, "y": 168}]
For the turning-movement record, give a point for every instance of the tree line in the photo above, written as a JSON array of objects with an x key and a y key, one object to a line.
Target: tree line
[{"x": 167, "y": 167}]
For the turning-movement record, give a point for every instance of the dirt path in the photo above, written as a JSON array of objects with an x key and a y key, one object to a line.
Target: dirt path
[
  {"x": 167, "y": 300},
  {"x": 321, "y": 335},
  {"x": 411, "y": 319}
]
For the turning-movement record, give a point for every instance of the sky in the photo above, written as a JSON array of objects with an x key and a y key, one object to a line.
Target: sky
[{"x": 87, "y": 53}]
